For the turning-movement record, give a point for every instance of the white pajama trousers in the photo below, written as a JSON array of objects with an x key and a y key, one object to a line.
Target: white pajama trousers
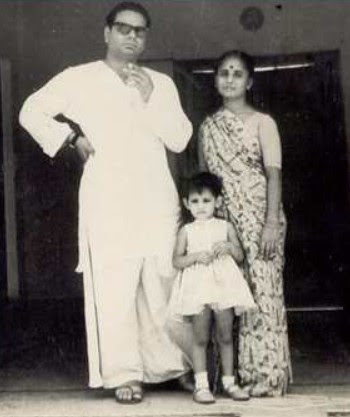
[{"x": 125, "y": 306}]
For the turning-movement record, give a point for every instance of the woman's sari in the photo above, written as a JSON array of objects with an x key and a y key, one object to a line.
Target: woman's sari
[{"x": 232, "y": 151}]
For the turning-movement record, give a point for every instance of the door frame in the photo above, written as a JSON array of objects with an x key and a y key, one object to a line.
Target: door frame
[{"x": 13, "y": 287}]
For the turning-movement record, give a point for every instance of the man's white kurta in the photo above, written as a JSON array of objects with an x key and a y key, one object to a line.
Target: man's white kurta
[{"x": 128, "y": 202}]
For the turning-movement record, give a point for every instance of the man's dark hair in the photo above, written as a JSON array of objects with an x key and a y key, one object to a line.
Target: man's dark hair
[{"x": 127, "y": 5}]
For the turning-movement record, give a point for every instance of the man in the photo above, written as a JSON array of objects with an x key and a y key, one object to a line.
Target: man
[{"x": 129, "y": 208}]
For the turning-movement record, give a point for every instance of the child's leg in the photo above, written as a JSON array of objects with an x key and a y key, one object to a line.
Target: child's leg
[
  {"x": 201, "y": 331},
  {"x": 224, "y": 322},
  {"x": 224, "y": 335}
]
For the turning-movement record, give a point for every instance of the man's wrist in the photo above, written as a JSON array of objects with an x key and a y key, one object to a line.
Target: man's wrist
[{"x": 72, "y": 139}]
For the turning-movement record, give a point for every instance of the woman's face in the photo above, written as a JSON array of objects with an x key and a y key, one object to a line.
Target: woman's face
[{"x": 232, "y": 79}]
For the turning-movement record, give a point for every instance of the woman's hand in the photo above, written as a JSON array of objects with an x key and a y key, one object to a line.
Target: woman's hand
[
  {"x": 270, "y": 232},
  {"x": 84, "y": 148},
  {"x": 204, "y": 257},
  {"x": 269, "y": 239}
]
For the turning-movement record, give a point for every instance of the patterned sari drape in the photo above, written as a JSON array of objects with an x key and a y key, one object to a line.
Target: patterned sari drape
[{"x": 232, "y": 151}]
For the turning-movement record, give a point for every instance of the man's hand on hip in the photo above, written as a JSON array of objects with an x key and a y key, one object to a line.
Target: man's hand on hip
[{"x": 84, "y": 148}]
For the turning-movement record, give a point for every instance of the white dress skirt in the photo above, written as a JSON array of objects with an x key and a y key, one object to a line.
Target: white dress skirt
[{"x": 219, "y": 285}]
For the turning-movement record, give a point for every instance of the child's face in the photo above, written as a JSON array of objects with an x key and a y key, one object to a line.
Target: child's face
[{"x": 201, "y": 205}]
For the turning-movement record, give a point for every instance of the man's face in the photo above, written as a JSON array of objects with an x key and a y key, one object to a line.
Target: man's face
[{"x": 126, "y": 39}]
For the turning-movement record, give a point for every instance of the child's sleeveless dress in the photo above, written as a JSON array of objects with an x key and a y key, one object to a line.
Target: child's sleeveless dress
[{"x": 219, "y": 285}]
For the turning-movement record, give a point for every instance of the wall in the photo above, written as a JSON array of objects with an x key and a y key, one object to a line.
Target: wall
[
  {"x": 8, "y": 35},
  {"x": 48, "y": 35},
  {"x": 56, "y": 33}
]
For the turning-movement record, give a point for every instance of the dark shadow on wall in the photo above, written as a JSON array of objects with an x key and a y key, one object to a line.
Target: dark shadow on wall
[{"x": 48, "y": 222}]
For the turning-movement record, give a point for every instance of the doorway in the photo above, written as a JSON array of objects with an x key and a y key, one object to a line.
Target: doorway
[{"x": 303, "y": 94}]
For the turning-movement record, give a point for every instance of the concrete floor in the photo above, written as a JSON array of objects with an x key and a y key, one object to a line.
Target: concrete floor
[
  {"x": 321, "y": 401},
  {"x": 43, "y": 373}
]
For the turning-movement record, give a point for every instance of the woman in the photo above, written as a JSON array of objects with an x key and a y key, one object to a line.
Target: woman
[{"x": 242, "y": 146}]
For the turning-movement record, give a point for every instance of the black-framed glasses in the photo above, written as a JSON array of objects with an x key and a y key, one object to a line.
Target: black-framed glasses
[{"x": 125, "y": 29}]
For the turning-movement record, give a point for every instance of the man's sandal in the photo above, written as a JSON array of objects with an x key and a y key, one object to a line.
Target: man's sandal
[
  {"x": 236, "y": 393},
  {"x": 135, "y": 391},
  {"x": 203, "y": 396}
]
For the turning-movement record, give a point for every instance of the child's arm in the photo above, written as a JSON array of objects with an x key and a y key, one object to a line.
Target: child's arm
[
  {"x": 181, "y": 259},
  {"x": 232, "y": 247}
]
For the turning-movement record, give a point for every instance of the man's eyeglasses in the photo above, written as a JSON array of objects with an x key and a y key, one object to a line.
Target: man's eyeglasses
[{"x": 125, "y": 29}]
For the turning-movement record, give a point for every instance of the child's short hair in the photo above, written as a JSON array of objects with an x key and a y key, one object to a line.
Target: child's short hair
[{"x": 202, "y": 181}]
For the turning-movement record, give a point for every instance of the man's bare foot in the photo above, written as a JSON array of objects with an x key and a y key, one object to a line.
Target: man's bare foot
[{"x": 129, "y": 393}]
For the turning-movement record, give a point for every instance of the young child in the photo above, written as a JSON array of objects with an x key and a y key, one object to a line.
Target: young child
[{"x": 209, "y": 281}]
